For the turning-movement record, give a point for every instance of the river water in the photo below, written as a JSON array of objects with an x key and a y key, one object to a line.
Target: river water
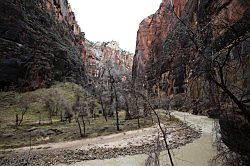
[{"x": 198, "y": 153}]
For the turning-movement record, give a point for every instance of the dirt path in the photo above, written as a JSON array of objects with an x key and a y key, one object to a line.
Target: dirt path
[{"x": 109, "y": 141}]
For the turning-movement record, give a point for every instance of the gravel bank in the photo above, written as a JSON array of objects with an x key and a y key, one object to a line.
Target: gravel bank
[{"x": 141, "y": 141}]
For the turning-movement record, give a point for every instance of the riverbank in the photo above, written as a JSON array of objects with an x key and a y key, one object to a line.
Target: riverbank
[
  {"x": 127, "y": 143},
  {"x": 199, "y": 152}
]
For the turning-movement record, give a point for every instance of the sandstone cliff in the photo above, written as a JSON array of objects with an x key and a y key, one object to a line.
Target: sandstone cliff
[
  {"x": 165, "y": 52},
  {"x": 151, "y": 36},
  {"x": 40, "y": 43},
  {"x": 107, "y": 55}
]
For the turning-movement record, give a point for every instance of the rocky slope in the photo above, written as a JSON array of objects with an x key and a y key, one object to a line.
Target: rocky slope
[
  {"x": 40, "y": 43},
  {"x": 100, "y": 57}
]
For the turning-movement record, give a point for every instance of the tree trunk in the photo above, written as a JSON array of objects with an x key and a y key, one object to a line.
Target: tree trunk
[
  {"x": 39, "y": 118},
  {"x": 127, "y": 116},
  {"x": 51, "y": 122},
  {"x": 17, "y": 120},
  {"x": 84, "y": 128},
  {"x": 116, "y": 111},
  {"x": 138, "y": 112},
  {"x": 88, "y": 121},
  {"x": 116, "y": 105},
  {"x": 50, "y": 116},
  {"x": 61, "y": 116},
  {"x": 111, "y": 112},
  {"x": 79, "y": 126},
  {"x": 21, "y": 120}
]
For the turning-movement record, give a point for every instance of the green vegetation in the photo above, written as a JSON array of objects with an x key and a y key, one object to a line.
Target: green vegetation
[{"x": 36, "y": 127}]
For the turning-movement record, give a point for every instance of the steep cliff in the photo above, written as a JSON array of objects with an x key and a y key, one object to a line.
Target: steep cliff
[
  {"x": 107, "y": 55},
  {"x": 167, "y": 41},
  {"x": 40, "y": 43},
  {"x": 199, "y": 50},
  {"x": 151, "y": 36}
]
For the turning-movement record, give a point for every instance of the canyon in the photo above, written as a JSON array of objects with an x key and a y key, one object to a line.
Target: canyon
[{"x": 191, "y": 56}]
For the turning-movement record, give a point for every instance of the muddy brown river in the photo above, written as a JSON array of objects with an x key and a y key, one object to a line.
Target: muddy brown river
[{"x": 198, "y": 153}]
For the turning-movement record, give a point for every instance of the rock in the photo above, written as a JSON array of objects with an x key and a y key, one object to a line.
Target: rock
[
  {"x": 39, "y": 45},
  {"x": 32, "y": 129},
  {"x": 56, "y": 131},
  {"x": 8, "y": 135},
  {"x": 166, "y": 57},
  {"x": 98, "y": 54},
  {"x": 151, "y": 35}
]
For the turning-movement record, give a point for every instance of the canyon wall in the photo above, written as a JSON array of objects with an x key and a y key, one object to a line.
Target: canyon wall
[
  {"x": 103, "y": 56},
  {"x": 166, "y": 52},
  {"x": 40, "y": 43},
  {"x": 151, "y": 36},
  {"x": 196, "y": 53}
]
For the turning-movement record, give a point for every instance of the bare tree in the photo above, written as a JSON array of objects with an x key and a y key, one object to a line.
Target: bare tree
[
  {"x": 112, "y": 81},
  {"x": 79, "y": 126},
  {"x": 77, "y": 109},
  {"x": 127, "y": 109},
  {"x": 103, "y": 107},
  {"x": 24, "y": 103},
  {"x": 55, "y": 104},
  {"x": 83, "y": 114},
  {"x": 146, "y": 100},
  {"x": 48, "y": 104},
  {"x": 137, "y": 110},
  {"x": 162, "y": 130}
]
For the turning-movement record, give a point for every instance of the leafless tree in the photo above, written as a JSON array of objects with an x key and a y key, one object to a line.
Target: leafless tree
[
  {"x": 145, "y": 99},
  {"x": 77, "y": 108},
  {"x": 82, "y": 111},
  {"x": 114, "y": 90},
  {"x": 55, "y": 103},
  {"x": 24, "y": 103},
  {"x": 162, "y": 130},
  {"x": 127, "y": 107}
]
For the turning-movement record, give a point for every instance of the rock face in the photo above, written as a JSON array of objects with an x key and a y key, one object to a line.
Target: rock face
[
  {"x": 165, "y": 49},
  {"x": 188, "y": 47},
  {"x": 151, "y": 36},
  {"x": 101, "y": 56},
  {"x": 40, "y": 43}
]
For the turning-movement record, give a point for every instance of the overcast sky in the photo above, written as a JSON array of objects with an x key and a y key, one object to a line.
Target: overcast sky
[{"x": 106, "y": 20}]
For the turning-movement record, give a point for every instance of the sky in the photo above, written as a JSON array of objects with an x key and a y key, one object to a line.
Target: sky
[{"x": 118, "y": 20}]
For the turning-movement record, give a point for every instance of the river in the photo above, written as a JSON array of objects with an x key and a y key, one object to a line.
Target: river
[{"x": 198, "y": 153}]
